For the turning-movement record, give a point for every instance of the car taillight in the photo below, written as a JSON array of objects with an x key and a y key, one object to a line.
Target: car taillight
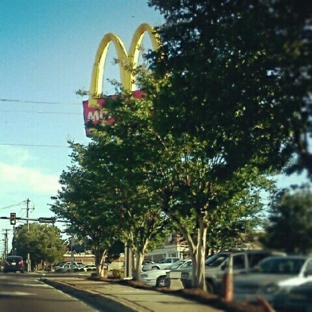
[
  {"x": 20, "y": 262},
  {"x": 7, "y": 263}
]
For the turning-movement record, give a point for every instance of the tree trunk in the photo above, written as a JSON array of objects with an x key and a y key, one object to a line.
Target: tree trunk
[
  {"x": 198, "y": 252},
  {"x": 139, "y": 256},
  {"x": 102, "y": 269},
  {"x": 97, "y": 259}
]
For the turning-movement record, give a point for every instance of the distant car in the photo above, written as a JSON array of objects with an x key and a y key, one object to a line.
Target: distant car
[
  {"x": 14, "y": 264},
  {"x": 154, "y": 278},
  {"x": 66, "y": 267},
  {"x": 162, "y": 264},
  {"x": 89, "y": 267},
  {"x": 56, "y": 266},
  {"x": 215, "y": 265},
  {"x": 273, "y": 279}
]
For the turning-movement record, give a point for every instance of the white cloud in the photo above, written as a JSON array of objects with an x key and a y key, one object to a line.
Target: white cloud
[
  {"x": 19, "y": 178},
  {"x": 10, "y": 154}
]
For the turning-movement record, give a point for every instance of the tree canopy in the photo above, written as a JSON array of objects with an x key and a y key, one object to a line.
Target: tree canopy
[
  {"x": 42, "y": 242},
  {"x": 290, "y": 223}
]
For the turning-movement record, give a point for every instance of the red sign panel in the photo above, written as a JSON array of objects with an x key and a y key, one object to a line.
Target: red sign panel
[{"x": 96, "y": 114}]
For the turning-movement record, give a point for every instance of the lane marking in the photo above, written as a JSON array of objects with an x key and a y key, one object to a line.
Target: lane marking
[{"x": 15, "y": 293}]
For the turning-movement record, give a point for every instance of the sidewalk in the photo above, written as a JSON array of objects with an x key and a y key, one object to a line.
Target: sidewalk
[{"x": 118, "y": 298}]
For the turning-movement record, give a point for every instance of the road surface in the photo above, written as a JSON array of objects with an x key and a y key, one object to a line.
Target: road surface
[{"x": 25, "y": 293}]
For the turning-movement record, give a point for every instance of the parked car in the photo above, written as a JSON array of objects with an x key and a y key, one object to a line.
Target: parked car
[
  {"x": 299, "y": 299},
  {"x": 57, "y": 265},
  {"x": 89, "y": 267},
  {"x": 66, "y": 267},
  {"x": 273, "y": 278},
  {"x": 155, "y": 278},
  {"x": 162, "y": 264},
  {"x": 14, "y": 264},
  {"x": 181, "y": 264},
  {"x": 216, "y": 264}
]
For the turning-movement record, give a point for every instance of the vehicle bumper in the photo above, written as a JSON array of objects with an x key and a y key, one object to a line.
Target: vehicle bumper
[{"x": 149, "y": 282}]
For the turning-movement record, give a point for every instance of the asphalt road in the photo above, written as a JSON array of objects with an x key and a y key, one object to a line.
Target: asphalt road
[{"x": 25, "y": 292}]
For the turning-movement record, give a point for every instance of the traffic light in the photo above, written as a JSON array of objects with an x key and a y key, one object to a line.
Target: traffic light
[{"x": 13, "y": 218}]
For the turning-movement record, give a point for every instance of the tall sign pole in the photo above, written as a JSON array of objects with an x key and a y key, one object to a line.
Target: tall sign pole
[{"x": 126, "y": 60}]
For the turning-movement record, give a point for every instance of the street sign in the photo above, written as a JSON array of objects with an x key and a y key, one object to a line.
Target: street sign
[{"x": 46, "y": 220}]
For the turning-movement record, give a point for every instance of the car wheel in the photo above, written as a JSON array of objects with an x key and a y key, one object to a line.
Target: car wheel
[
  {"x": 22, "y": 271},
  {"x": 155, "y": 268},
  {"x": 161, "y": 281},
  {"x": 209, "y": 287}
]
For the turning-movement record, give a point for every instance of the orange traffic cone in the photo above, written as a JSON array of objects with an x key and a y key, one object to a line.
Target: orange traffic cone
[{"x": 227, "y": 282}]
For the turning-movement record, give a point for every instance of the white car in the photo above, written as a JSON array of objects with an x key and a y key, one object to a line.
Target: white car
[
  {"x": 155, "y": 278},
  {"x": 89, "y": 267},
  {"x": 181, "y": 264},
  {"x": 160, "y": 265},
  {"x": 273, "y": 278}
]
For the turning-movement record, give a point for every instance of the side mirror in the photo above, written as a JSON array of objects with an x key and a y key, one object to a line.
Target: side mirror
[
  {"x": 223, "y": 266},
  {"x": 307, "y": 273}
]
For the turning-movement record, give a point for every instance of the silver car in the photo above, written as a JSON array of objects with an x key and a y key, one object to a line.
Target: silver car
[{"x": 273, "y": 278}]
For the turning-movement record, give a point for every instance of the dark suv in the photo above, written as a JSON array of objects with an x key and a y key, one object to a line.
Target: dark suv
[{"x": 13, "y": 264}]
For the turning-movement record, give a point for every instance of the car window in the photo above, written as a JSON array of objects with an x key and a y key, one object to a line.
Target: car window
[
  {"x": 309, "y": 266},
  {"x": 239, "y": 262},
  {"x": 255, "y": 258},
  {"x": 176, "y": 265},
  {"x": 187, "y": 264},
  {"x": 216, "y": 260},
  {"x": 291, "y": 266}
]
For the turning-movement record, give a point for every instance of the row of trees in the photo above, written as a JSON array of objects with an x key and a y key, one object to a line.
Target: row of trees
[
  {"x": 43, "y": 242},
  {"x": 226, "y": 105}
]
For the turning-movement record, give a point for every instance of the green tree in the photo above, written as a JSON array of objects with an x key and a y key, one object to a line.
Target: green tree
[
  {"x": 89, "y": 211},
  {"x": 186, "y": 183},
  {"x": 290, "y": 223},
  {"x": 227, "y": 101},
  {"x": 242, "y": 71},
  {"x": 42, "y": 242},
  {"x": 119, "y": 154}
]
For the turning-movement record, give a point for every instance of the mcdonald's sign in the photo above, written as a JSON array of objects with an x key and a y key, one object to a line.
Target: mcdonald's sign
[{"x": 92, "y": 106}]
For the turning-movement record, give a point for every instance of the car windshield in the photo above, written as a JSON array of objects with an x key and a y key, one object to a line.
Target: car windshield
[
  {"x": 216, "y": 260},
  {"x": 165, "y": 261},
  {"x": 186, "y": 264},
  {"x": 291, "y": 266},
  {"x": 176, "y": 265}
]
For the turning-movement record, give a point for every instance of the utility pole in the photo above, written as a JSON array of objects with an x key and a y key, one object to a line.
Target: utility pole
[
  {"x": 27, "y": 212},
  {"x": 27, "y": 220},
  {"x": 6, "y": 245}
]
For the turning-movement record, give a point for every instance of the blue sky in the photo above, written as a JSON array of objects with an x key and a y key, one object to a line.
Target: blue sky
[{"x": 47, "y": 50}]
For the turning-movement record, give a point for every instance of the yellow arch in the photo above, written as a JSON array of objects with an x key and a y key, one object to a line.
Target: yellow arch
[{"x": 126, "y": 78}]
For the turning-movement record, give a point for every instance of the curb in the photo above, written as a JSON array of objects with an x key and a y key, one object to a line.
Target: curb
[{"x": 98, "y": 301}]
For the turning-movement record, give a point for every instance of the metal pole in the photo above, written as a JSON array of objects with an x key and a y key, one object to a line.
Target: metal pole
[
  {"x": 27, "y": 212},
  {"x": 72, "y": 241},
  {"x": 27, "y": 216}
]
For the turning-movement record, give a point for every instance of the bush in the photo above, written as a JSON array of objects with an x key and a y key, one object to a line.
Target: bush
[{"x": 118, "y": 273}]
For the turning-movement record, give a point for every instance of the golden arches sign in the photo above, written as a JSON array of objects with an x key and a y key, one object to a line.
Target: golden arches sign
[{"x": 125, "y": 59}]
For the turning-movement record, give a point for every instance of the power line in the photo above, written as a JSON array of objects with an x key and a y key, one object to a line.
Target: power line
[
  {"x": 23, "y": 202},
  {"x": 39, "y": 112},
  {"x": 35, "y": 145},
  {"x": 38, "y": 102}
]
